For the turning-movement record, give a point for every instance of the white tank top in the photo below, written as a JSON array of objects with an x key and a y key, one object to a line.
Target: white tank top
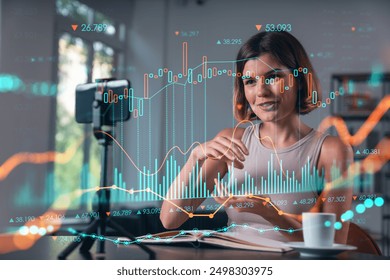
[{"x": 288, "y": 176}]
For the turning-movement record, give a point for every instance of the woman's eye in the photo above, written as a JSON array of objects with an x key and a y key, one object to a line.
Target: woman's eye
[
  {"x": 249, "y": 82},
  {"x": 273, "y": 76}
]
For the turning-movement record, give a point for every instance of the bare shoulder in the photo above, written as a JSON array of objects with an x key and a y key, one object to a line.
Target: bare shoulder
[
  {"x": 231, "y": 132},
  {"x": 333, "y": 148}
]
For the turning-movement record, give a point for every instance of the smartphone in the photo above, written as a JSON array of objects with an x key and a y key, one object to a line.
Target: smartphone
[{"x": 114, "y": 98}]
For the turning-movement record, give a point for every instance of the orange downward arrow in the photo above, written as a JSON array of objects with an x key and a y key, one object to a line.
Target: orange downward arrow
[
  {"x": 202, "y": 207},
  {"x": 323, "y": 199},
  {"x": 108, "y": 213},
  {"x": 54, "y": 237},
  {"x": 258, "y": 27},
  {"x": 74, "y": 27},
  {"x": 264, "y": 203},
  {"x": 354, "y": 197}
]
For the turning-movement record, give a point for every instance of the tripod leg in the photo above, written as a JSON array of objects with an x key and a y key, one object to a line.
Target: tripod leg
[
  {"x": 85, "y": 241},
  {"x": 123, "y": 232},
  {"x": 88, "y": 241}
]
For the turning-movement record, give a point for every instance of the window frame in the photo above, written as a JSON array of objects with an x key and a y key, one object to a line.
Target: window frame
[{"x": 116, "y": 41}]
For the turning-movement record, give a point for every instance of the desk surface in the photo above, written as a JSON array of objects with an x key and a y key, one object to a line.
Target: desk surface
[{"x": 48, "y": 248}]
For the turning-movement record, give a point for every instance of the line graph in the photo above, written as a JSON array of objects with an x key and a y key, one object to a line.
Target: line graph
[
  {"x": 37, "y": 158},
  {"x": 370, "y": 165},
  {"x": 181, "y": 233},
  {"x": 190, "y": 148},
  {"x": 190, "y": 76},
  {"x": 364, "y": 130},
  {"x": 32, "y": 231}
]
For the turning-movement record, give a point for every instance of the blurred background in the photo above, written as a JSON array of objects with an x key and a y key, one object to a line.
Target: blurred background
[{"x": 48, "y": 47}]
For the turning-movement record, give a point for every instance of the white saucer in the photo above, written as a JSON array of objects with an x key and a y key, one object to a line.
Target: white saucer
[{"x": 319, "y": 252}]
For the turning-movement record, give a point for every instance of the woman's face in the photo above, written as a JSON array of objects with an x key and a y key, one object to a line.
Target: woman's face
[{"x": 267, "y": 101}]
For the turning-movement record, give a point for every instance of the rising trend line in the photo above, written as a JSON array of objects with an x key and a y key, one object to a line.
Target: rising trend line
[{"x": 364, "y": 130}]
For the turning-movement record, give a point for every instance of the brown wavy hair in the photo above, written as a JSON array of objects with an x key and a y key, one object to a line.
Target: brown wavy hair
[{"x": 288, "y": 51}]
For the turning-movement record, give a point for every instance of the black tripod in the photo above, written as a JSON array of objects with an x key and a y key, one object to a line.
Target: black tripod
[{"x": 100, "y": 224}]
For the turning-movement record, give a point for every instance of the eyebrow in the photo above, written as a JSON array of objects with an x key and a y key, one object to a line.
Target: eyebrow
[{"x": 265, "y": 74}]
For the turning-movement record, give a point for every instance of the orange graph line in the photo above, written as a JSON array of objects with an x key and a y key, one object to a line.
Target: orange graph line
[
  {"x": 191, "y": 146},
  {"x": 346, "y": 137},
  {"x": 51, "y": 156},
  {"x": 371, "y": 164},
  {"x": 364, "y": 130},
  {"x": 37, "y": 158},
  {"x": 17, "y": 241}
]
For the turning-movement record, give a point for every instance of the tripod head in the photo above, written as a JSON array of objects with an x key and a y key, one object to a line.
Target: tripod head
[{"x": 103, "y": 103}]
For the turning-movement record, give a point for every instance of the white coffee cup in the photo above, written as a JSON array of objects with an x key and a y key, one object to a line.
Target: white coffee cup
[{"x": 318, "y": 229}]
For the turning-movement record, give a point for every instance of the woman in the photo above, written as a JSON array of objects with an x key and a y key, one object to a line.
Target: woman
[{"x": 268, "y": 89}]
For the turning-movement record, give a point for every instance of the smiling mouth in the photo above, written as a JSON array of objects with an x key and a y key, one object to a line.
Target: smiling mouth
[{"x": 268, "y": 106}]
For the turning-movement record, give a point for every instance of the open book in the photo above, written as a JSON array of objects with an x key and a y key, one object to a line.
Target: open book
[{"x": 235, "y": 240}]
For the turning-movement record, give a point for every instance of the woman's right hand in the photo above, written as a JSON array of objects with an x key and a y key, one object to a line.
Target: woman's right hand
[{"x": 222, "y": 147}]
